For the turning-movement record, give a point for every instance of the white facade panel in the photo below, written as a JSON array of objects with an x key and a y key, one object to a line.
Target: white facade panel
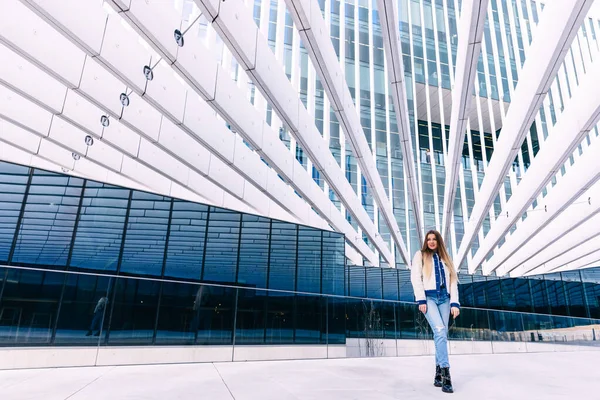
[
  {"x": 84, "y": 19},
  {"x": 201, "y": 121},
  {"x": 25, "y": 30},
  {"x": 17, "y": 72},
  {"x": 18, "y": 109}
]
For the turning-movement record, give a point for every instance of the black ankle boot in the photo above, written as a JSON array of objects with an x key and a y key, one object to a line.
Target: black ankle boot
[
  {"x": 437, "y": 381},
  {"x": 446, "y": 381}
]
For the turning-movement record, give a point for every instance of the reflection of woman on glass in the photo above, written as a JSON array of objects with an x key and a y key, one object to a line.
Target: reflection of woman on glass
[
  {"x": 98, "y": 317},
  {"x": 435, "y": 283}
]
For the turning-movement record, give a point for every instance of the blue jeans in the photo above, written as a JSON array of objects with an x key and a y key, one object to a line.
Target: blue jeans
[{"x": 438, "y": 314}]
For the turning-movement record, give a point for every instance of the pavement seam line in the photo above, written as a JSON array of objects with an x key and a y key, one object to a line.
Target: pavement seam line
[
  {"x": 223, "y": 380},
  {"x": 98, "y": 377}
]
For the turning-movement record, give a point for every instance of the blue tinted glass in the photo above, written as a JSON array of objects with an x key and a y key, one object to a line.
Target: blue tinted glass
[
  {"x": 356, "y": 284},
  {"x": 507, "y": 287},
  {"x": 214, "y": 313},
  {"x": 133, "y": 311},
  {"x": 576, "y": 299},
  {"x": 406, "y": 321},
  {"x": 333, "y": 263},
  {"x": 493, "y": 295},
  {"x": 539, "y": 296},
  {"x": 185, "y": 250},
  {"x": 144, "y": 248},
  {"x": 282, "y": 267},
  {"x": 47, "y": 226},
  {"x": 592, "y": 297},
  {"x": 178, "y": 313},
  {"x": 390, "y": 284},
  {"x": 310, "y": 325},
  {"x": 30, "y": 303},
  {"x": 13, "y": 181},
  {"x": 556, "y": 297},
  {"x": 254, "y": 251},
  {"x": 251, "y": 317},
  {"x": 222, "y": 246},
  {"x": 100, "y": 229},
  {"x": 309, "y": 260},
  {"x": 83, "y": 317},
  {"x": 406, "y": 290},
  {"x": 336, "y": 320},
  {"x": 523, "y": 298},
  {"x": 374, "y": 283},
  {"x": 280, "y": 318}
]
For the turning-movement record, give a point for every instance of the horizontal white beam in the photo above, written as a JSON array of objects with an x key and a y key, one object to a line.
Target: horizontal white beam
[
  {"x": 554, "y": 34},
  {"x": 578, "y": 182},
  {"x": 237, "y": 28},
  {"x": 581, "y": 114},
  {"x": 315, "y": 37},
  {"x": 470, "y": 32},
  {"x": 586, "y": 261},
  {"x": 388, "y": 17},
  {"x": 583, "y": 209},
  {"x": 124, "y": 55},
  {"x": 543, "y": 261}
]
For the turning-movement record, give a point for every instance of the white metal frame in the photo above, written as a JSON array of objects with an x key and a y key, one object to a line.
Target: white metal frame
[
  {"x": 554, "y": 35},
  {"x": 470, "y": 32}
]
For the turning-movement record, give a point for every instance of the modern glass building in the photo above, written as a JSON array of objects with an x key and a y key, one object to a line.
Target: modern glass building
[
  {"x": 261, "y": 172},
  {"x": 92, "y": 264}
]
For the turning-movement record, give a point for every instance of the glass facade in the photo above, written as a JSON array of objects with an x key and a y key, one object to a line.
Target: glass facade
[{"x": 89, "y": 264}]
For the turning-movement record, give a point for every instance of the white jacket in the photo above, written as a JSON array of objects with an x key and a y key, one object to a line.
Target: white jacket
[{"x": 422, "y": 284}]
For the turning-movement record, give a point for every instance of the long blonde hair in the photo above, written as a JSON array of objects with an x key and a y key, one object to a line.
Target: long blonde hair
[{"x": 427, "y": 255}]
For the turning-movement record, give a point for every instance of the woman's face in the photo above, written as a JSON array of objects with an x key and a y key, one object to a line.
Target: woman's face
[{"x": 432, "y": 242}]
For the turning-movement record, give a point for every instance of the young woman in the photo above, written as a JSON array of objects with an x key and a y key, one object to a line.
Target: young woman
[{"x": 435, "y": 284}]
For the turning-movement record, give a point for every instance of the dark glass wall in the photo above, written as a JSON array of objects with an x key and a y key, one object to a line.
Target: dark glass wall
[
  {"x": 54, "y": 221},
  {"x": 86, "y": 263}
]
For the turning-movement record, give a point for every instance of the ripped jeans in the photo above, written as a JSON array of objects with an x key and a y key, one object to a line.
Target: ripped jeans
[{"x": 438, "y": 314}]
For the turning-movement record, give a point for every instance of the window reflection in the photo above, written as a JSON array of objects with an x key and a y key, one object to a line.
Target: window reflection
[
  {"x": 185, "y": 251},
  {"x": 100, "y": 228},
  {"x": 146, "y": 234},
  {"x": 48, "y": 221},
  {"x": 13, "y": 182}
]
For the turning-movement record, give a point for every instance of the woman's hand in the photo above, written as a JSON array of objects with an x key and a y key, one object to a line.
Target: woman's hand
[
  {"x": 423, "y": 308},
  {"x": 455, "y": 311}
]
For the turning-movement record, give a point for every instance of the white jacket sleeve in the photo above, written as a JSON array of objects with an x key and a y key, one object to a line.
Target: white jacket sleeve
[
  {"x": 416, "y": 277},
  {"x": 454, "y": 301}
]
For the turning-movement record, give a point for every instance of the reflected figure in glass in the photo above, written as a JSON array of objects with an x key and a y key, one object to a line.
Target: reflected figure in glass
[{"x": 435, "y": 284}]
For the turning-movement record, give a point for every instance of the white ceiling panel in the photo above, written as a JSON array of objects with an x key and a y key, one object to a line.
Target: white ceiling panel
[
  {"x": 30, "y": 80},
  {"x": 83, "y": 113},
  {"x": 99, "y": 84},
  {"x": 30, "y": 34},
  {"x": 201, "y": 121},
  {"x": 105, "y": 154},
  {"x": 159, "y": 159},
  {"x": 167, "y": 92},
  {"x": 240, "y": 113},
  {"x": 145, "y": 175},
  {"x": 143, "y": 117},
  {"x": 184, "y": 146},
  {"x": 161, "y": 20},
  {"x": 56, "y": 153},
  {"x": 72, "y": 137},
  {"x": 84, "y": 19},
  {"x": 221, "y": 172},
  {"x": 123, "y": 52},
  {"x": 20, "y": 137},
  {"x": 121, "y": 136},
  {"x": 249, "y": 163},
  {"x": 18, "y": 109},
  {"x": 206, "y": 188},
  {"x": 200, "y": 71}
]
